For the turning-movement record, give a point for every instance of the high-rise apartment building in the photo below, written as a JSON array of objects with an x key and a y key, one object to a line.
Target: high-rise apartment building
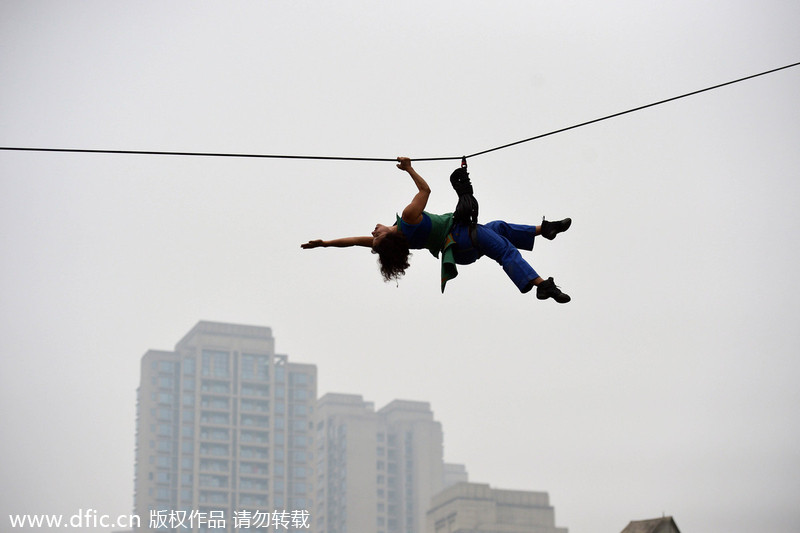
[
  {"x": 224, "y": 433},
  {"x": 376, "y": 470}
]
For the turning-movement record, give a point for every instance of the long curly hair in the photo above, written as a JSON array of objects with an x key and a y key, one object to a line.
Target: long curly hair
[{"x": 393, "y": 254}]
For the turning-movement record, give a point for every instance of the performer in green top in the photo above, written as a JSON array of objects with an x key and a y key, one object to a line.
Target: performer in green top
[{"x": 417, "y": 229}]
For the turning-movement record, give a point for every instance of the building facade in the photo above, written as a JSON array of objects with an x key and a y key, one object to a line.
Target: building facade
[
  {"x": 376, "y": 470},
  {"x": 224, "y": 434},
  {"x": 478, "y": 508}
]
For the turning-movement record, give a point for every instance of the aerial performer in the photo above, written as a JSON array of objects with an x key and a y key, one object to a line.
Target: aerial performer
[{"x": 457, "y": 237}]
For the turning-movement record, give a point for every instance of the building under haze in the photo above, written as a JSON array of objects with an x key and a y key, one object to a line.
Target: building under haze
[
  {"x": 478, "y": 508},
  {"x": 231, "y": 437},
  {"x": 224, "y": 431},
  {"x": 377, "y": 470}
]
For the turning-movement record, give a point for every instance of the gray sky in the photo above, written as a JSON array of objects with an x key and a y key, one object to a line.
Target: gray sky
[{"x": 668, "y": 384}]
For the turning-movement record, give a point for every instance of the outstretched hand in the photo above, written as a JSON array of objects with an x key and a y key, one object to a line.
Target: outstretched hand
[{"x": 313, "y": 244}]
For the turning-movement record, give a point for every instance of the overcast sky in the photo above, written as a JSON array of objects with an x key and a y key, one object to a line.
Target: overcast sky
[{"x": 667, "y": 386}]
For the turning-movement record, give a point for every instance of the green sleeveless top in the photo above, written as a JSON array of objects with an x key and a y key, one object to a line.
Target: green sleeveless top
[{"x": 433, "y": 234}]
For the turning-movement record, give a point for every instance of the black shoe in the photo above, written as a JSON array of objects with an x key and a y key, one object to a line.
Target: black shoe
[
  {"x": 547, "y": 289},
  {"x": 551, "y": 229}
]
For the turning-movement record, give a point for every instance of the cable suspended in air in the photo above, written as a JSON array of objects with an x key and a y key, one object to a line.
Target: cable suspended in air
[{"x": 347, "y": 158}]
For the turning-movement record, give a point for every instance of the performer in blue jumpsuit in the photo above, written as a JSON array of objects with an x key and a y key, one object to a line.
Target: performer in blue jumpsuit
[{"x": 417, "y": 229}]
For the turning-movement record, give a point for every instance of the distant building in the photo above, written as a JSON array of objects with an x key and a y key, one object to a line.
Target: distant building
[
  {"x": 656, "y": 525},
  {"x": 454, "y": 473},
  {"x": 376, "y": 470},
  {"x": 477, "y": 508},
  {"x": 224, "y": 430}
]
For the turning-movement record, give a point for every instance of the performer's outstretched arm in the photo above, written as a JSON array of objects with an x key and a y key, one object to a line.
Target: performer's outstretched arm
[{"x": 344, "y": 242}]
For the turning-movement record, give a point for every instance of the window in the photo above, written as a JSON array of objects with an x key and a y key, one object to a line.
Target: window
[
  {"x": 255, "y": 436},
  {"x": 255, "y": 366},
  {"x": 300, "y": 394},
  {"x": 253, "y": 484},
  {"x": 213, "y": 498},
  {"x": 214, "y": 418},
  {"x": 261, "y": 406},
  {"x": 254, "y": 452},
  {"x": 214, "y": 434},
  {"x": 215, "y": 363},
  {"x": 214, "y": 465},
  {"x": 216, "y": 387},
  {"x": 253, "y": 468},
  {"x": 207, "y": 480},
  {"x": 298, "y": 379},
  {"x": 254, "y": 420},
  {"x": 213, "y": 449},
  {"x": 253, "y": 500},
  {"x": 298, "y": 504},
  {"x": 299, "y": 456},
  {"x": 249, "y": 389}
]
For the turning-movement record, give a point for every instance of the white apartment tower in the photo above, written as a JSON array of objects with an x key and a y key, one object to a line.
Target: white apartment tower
[
  {"x": 376, "y": 470},
  {"x": 224, "y": 430}
]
